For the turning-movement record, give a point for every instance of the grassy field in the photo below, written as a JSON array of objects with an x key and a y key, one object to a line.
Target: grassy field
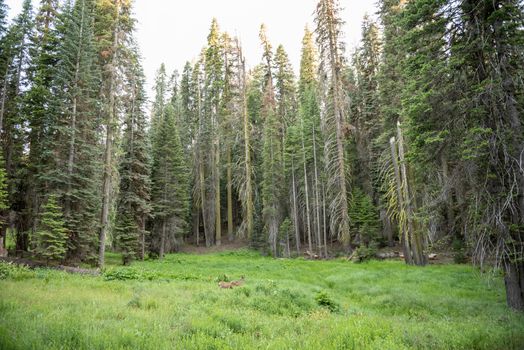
[{"x": 284, "y": 304}]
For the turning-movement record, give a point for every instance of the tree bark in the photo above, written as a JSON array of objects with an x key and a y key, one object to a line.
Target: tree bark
[
  {"x": 247, "y": 154},
  {"x": 229, "y": 196},
  {"x": 295, "y": 209},
  {"x": 416, "y": 241},
  {"x": 514, "y": 282},
  {"x": 108, "y": 157},
  {"x": 404, "y": 240}
]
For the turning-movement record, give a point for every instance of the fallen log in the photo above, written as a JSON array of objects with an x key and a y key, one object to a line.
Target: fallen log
[{"x": 387, "y": 255}]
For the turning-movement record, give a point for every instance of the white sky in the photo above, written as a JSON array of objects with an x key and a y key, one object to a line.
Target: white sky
[{"x": 174, "y": 31}]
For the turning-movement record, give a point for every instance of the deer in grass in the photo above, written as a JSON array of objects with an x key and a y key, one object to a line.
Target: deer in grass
[
  {"x": 230, "y": 285},
  {"x": 239, "y": 282},
  {"x": 225, "y": 285}
]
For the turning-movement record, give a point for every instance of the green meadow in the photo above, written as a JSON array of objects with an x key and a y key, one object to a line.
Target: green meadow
[{"x": 284, "y": 304}]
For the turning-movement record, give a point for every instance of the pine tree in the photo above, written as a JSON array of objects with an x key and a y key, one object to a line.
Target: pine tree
[
  {"x": 170, "y": 185},
  {"x": 77, "y": 143},
  {"x": 51, "y": 236},
  {"x": 272, "y": 152},
  {"x": 15, "y": 62},
  {"x": 40, "y": 105},
  {"x": 159, "y": 104},
  {"x": 133, "y": 199},
  {"x": 3, "y": 18},
  {"x": 334, "y": 116},
  {"x": 113, "y": 28},
  {"x": 212, "y": 92}
]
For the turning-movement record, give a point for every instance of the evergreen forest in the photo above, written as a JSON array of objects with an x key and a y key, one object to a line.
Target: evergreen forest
[{"x": 407, "y": 148}]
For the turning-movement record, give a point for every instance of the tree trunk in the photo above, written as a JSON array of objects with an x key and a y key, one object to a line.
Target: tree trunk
[
  {"x": 4, "y": 97},
  {"x": 415, "y": 237},
  {"x": 306, "y": 188},
  {"x": 514, "y": 282},
  {"x": 448, "y": 198},
  {"x": 387, "y": 229},
  {"x": 218, "y": 216},
  {"x": 324, "y": 219},
  {"x": 143, "y": 239},
  {"x": 108, "y": 157},
  {"x": 229, "y": 196},
  {"x": 404, "y": 241},
  {"x": 295, "y": 209},
  {"x": 247, "y": 154},
  {"x": 162, "y": 239},
  {"x": 317, "y": 191}
]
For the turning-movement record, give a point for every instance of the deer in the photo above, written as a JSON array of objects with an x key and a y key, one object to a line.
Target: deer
[
  {"x": 230, "y": 285},
  {"x": 225, "y": 285},
  {"x": 239, "y": 282}
]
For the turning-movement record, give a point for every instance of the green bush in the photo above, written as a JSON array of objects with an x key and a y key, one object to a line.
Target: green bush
[
  {"x": 122, "y": 274},
  {"x": 364, "y": 253},
  {"x": 323, "y": 299},
  {"x": 459, "y": 251},
  {"x": 16, "y": 272}
]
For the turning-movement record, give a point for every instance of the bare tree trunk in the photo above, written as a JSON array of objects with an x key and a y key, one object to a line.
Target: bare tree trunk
[
  {"x": 162, "y": 239},
  {"x": 404, "y": 240},
  {"x": 4, "y": 97},
  {"x": 317, "y": 204},
  {"x": 295, "y": 209},
  {"x": 324, "y": 220},
  {"x": 218, "y": 216},
  {"x": 387, "y": 230},
  {"x": 417, "y": 242},
  {"x": 229, "y": 196},
  {"x": 108, "y": 158},
  {"x": 310, "y": 245},
  {"x": 448, "y": 198},
  {"x": 247, "y": 154},
  {"x": 143, "y": 239}
]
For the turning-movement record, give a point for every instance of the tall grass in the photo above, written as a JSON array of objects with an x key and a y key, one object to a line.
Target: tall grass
[{"x": 284, "y": 304}]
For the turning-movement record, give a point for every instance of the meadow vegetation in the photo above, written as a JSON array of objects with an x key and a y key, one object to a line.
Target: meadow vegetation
[{"x": 176, "y": 303}]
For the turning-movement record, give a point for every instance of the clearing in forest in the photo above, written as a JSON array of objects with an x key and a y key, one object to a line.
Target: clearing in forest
[{"x": 176, "y": 303}]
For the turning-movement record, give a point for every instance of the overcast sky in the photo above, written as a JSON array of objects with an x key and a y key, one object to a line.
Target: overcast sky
[{"x": 174, "y": 32}]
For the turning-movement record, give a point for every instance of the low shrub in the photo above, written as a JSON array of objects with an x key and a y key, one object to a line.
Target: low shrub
[
  {"x": 16, "y": 272},
  {"x": 364, "y": 253},
  {"x": 122, "y": 274},
  {"x": 324, "y": 300}
]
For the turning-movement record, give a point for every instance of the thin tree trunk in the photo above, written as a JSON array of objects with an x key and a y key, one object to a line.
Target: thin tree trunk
[
  {"x": 404, "y": 240},
  {"x": 162, "y": 239},
  {"x": 108, "y": 158},
  {"x": 218, "y": 216},
  {"x": 142, "y": 239},
  {"x": 4, "y": 96},
  {"x": 324, "y": 219},
  {"x": 306, "y": 189},
  {"x": 317, "y": 204},
  {"x": 387, "y": 229},
  {"x": 448, "y": 198},
  {"x": 229, "y": 196},
  {"x": 71, "y": 156},
  {"x": 295, "y": 209},
  {"x": 247, "y": 154}
]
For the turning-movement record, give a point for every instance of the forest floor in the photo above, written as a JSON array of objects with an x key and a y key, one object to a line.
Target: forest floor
[{"x": 176, "y": 303}]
